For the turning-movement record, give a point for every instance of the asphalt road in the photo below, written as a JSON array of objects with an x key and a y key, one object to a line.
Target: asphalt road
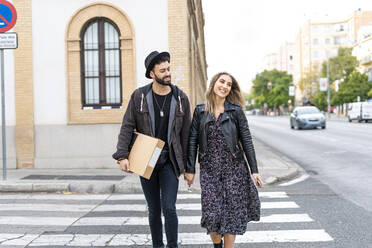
[
  {"x": 339, "y": 156},
  {"x": 307, "y": 214}
]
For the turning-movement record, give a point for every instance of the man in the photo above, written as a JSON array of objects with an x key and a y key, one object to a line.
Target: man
[{"x": 159, "y": 109}]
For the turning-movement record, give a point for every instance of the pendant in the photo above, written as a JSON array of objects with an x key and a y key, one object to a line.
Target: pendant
[{"x": 161, "y": 113}]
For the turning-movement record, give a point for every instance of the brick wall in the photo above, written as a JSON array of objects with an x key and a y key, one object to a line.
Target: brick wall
[{"x": 24, "y": 97}]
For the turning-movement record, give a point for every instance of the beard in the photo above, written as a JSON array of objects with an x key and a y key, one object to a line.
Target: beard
[{"x": 161, "y": 80}]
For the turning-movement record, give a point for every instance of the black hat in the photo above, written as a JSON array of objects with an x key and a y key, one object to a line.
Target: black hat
[{"x": 150, "y": 60}]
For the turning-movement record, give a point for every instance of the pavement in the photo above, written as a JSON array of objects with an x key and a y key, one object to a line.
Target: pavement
[{"x": 273, "y": 168}]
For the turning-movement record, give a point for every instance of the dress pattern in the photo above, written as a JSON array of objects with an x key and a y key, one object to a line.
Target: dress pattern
[{"x": 229, "y": 197}]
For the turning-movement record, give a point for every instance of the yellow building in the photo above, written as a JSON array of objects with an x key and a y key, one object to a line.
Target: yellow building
[
  {"x": 77, "y": 63},
  {"x": 363, "y": 51},
  {"x": 319, "y": 40}
]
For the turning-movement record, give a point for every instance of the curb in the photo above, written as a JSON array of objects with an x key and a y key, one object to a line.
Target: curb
[{"x": 273, "y": 180}]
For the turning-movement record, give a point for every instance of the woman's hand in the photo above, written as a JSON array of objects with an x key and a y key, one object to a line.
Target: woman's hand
[
  {"x": 257, "y": 180},
  {"x": 189, "y": 178}
]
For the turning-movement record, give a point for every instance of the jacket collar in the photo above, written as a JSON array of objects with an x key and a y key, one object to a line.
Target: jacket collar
[
  {"x": 147, "y": 88},
  {"x": 228, "y": 107}
]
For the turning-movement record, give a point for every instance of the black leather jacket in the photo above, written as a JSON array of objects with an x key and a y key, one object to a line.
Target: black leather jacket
[
  {"x": 235, "y": 130},
  {"x": 139, "y": 117}
]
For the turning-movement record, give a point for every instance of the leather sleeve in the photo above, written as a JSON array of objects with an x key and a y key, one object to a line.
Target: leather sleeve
[
  {"x": 185, "y": 131},
  {"x": 246, "y": 140},
  {"x": 193, "y": 143},
  {"x": 126, "y": 131}
]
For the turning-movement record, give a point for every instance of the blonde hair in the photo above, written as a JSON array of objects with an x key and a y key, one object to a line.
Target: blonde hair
[{"x": 235, "y": 94}]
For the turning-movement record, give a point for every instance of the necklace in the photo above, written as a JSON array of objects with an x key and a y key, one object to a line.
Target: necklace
[{"x": 161, "y": 109}]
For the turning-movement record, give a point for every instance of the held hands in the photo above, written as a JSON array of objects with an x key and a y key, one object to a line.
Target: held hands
[
  {"x": 189, "y": 178},
  {"x": 257, "y": 180},
  {"x": 124, "y": 165}
]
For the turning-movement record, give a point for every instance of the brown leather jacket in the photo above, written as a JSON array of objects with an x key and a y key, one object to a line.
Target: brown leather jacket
[{"x": 139, "y": 117}]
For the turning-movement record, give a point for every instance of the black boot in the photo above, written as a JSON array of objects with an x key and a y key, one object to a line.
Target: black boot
[{"x": 220, "y": 245}]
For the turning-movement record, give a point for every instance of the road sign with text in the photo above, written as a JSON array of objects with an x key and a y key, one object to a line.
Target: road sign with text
[{"x": 8, "y": 41}]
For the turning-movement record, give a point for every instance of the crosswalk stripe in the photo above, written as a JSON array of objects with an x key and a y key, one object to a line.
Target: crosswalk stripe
[
  {"x": 184, "y": 220},
  {"x": 46, "y": 207},
  {"x": 119, "y": 207},
  {"x": 37, "y": 221},
  {"x": 97, "y": 217},
  {"x": 275, "y": 194},
  {"x": 114, "y": 221},
  {"x": 53, "y": 197},
  {"x": 187, "y": 206},
  {"x": 11, "y": 239},
  {"x": 291, "y": 236}
]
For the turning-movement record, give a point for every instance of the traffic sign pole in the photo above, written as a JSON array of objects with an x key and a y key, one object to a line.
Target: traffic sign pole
[
  {"x": 3, "y": 113},
  {"x": 8, "y": 18}
]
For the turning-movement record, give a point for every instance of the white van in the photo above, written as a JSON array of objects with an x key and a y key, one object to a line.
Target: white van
[{"x": 361, "y": 111}]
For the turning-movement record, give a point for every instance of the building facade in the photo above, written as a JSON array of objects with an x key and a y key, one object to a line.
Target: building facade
[
  {"x": 363, "y": 51},
  {"x": 78, "y": 61},
  {"x": 319, "y": 40},
  {"x": 283, "y": 59}
]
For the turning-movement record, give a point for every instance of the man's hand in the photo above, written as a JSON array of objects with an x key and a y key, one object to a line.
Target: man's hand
[
  {"x": 189, "y": 178},
  {"x": 124, "y": 165}
]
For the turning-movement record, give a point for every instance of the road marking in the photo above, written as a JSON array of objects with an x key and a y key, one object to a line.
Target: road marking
[
  {"x": 182, "y": 220},
  {"x": 79, "y": 197},
  {"x": 53, "y": 197},
  {"x": 126, "y": 240},
  {"x": 278, "y": 194},
  {"x": 186, "y": 206},
  {"x": 46, "y": 207},
  {"x": 118, "y": 207},
  {"x": 37, "y": 221},
  {"x": 297, "y": 180},
  {"x": 12, "y": 239},
  {"x": 290, "y": 236}
]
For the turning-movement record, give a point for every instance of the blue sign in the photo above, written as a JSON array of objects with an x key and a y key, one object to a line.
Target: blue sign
[{"x": 8, "y": 16}]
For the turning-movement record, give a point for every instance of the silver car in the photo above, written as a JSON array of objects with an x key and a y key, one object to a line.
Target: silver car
[{"x": 307, "y": 117}]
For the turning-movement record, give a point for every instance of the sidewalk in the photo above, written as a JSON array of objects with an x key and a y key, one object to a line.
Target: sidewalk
[{"x": 273, "y": 168}]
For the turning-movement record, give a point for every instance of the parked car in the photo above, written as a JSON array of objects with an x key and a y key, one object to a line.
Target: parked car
[
  {"x": 307, "y": 117},
  {"x": 360, "y": 111},
  {"x": 249, "y": 112}
]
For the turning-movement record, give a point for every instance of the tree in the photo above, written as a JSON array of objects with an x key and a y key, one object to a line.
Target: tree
[
  {"x": 310, "y": 82},
  {"x": 341, "y": 65},
  {"x": 353, "y": 86},
  {"x": 370, "y": 93},
  {"x": 320, "y": 99},
  {"x": 273, "y": 96}
]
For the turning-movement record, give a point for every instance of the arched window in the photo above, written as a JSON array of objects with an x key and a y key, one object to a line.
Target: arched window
[{"x": 100, "y": 64}]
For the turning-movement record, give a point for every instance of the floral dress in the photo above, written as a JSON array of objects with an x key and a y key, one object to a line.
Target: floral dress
[{"x": 229, "y": 197}]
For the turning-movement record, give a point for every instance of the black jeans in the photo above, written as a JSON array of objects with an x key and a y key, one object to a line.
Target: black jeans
[{"x": 163, "y": 182}]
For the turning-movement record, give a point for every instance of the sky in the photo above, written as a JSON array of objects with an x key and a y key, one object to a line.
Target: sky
[{"x": 239, "y": 33}]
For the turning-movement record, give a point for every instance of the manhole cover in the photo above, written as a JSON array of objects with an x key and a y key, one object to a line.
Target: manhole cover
[{"x": 73, "y": 177}]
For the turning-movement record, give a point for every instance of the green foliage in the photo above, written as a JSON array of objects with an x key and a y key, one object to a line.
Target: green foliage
[
  {"x": 341, "y": 65},
  {"x": 370, "y": 93},
  {"x": 310, "y": 82},
  {"x": 353, "y": 86},
  {"x": 278, "y": 94}
]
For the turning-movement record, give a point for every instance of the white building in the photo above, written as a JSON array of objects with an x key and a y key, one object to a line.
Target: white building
[{"x": 77, "y": 63}]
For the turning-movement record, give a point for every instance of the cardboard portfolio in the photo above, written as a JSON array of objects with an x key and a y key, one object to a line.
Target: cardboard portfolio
[{"x": 144, "y": 154}]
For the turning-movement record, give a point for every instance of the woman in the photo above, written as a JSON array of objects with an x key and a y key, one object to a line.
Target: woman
[{"x": 220, "y": 131}]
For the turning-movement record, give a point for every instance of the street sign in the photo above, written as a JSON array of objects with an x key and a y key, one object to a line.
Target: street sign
[
  {"x": 8, "y": 41},
  {"x": 292, "y": 90},
  {"x": 323, "y": 84},
  {"x": 8, "y": 16}
]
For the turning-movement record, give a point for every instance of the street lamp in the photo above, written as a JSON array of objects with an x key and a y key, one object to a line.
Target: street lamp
[{"x": 328, "y": 90}]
